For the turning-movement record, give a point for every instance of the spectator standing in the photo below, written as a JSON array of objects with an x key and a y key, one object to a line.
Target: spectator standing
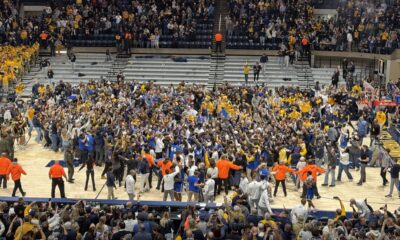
[
  {"x": 169, "y": 180},
  {"x": 209, "y": 188},
  {"x": 194, "y": 186},
  {"x": 144, "y": 170},
  {"x": 264, "y": 204},
  {"x": 354, "y": 153},
  {"x": 15, "y": 170},
  {"x": 335, "y": 78},
  {"x": 263, "y": 61},
  {"x": 127, "y": 42},
  {"x": 349, "y": 41},
  {"x": 394, "y": 178},
  {"x": 5, "y": 164},
  {"x": 254, "y": 191},
  {"x": 300, "y": 165},
  {"x": 362, "y": 129},
  {"x": 130, "y": 184},
  {"x": 178, "y": 184},
  {"x": 56, "y": 174},
  {"x": 213, "y": 171},
  {"x": 73, "y": 60},
  {"x": 246, "y": 70},
  {"x": 69, "y": 160},
  {"x": 363, "y": 164},
  {"x": 108, "y": 55},
  {"x": 256, "y": 72},
  {"x": 164, "y": 165},
  {"x": 375, "y": 131},
  {"x": 330, "y": 166},
  {"x": 89, "y": 172},
  {"x": 344, "y": 165},
  {"x": 385, "y": 163},
  {"x": 110, "y": 183},
  {"x": 50, "y": 75},
  {"x": 310, "y": 186}
]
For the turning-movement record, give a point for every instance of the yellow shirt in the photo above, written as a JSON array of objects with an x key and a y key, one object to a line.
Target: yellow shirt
[
  {"x": 356, "y": 89},
  {"x": 295, "y": 115},
  {"x": 282, "y": 155},
  {"x": 246, "y": 69},
  {"x": 303, "y": 150},
  {"x": 380, "y": 117},
  {"x": 305, "y": 107},
  {"x": 24, "y": 34},
  {"x": 30, "y": 113},
  {"x": 385, "y": 36},
  {"x": 282, "y": 113}
]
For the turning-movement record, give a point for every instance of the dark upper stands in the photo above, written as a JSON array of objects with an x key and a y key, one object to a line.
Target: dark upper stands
[
  {"x": 152, "y": 23},
  {"x": 359, "y": 26}
]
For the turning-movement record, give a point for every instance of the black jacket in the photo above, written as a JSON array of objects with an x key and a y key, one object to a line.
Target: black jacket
[{"x": 375, "y": 129}]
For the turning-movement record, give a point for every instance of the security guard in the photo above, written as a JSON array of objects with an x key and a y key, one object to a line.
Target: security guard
[{"x": 56, "y": 173}]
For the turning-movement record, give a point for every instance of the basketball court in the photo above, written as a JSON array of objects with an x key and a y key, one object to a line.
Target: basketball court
[{"x": 33, "y": 158}]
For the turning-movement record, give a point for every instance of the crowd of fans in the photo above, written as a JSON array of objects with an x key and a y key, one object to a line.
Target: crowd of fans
[
  {"x": 215, "y": 140},
  {"x": 364, "y": 26},
  {"x": 232, "y": 141},
  {"x": 15, "y": 62},
  {"x": 129, "y": 23},
  {"x": 234, "y": 220}
]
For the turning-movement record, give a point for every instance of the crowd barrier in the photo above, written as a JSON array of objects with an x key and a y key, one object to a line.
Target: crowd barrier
[{"x": 162, "y": 205}]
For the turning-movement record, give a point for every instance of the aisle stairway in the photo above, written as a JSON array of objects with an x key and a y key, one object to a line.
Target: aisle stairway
[
  {"x": 304, "y": 72},
  {"x": 221, "y": 11},
  {"x": 119, "y": 65},
  {"x": 217, "y": 68}
]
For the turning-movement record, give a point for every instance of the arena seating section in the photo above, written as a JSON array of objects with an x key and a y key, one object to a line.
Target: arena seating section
[
  {"x": 259, "y": 25},
  {"x": 189, "y": 32}
]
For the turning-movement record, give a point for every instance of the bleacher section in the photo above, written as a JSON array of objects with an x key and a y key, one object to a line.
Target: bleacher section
[
  {"x": 273, "y": 77},
  {"x": 163, "y": 70},
  {"x": 324, "y": 75},
  {"x": 87, "y": 66},
  {"x": 167, "y": 70}
]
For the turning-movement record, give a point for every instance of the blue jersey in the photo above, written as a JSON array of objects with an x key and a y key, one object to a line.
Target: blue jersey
[
  {"x": 192, "y": 180},
  {"x": 199, "y": 153},
  {"x": 174, "y": 148}
]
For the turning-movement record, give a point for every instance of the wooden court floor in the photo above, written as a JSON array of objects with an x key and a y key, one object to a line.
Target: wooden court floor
[{"x": 34, "y": 157}]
